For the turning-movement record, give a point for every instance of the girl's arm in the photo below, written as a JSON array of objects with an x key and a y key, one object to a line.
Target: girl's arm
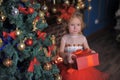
[
  {"x": 85, "y": 44},
  {"x": 62, "y": 46}
]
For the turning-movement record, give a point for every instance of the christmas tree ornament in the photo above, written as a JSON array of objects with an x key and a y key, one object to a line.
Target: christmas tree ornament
[
  {"x": 67, "y": 2},
  {"x": 80, "y": 5},
  {"x": 58, "y": 77},
  {"x": 41, "y": 35},
  {"x": 14, "y": 11},
  {"x": 89, "y": 5},
  {"x": 54, "y": 2},
  {"x": 1, "y": 42},
  {"x": 44, "y": 8},
  {"x": 54, "y": 10},
  {"x": 1, "y": 2},
  {"x": 47, "y": 66},
  {"x": 18, "y": 32},
  {"x": 43, "y": 21},
  {"x": 7, "y": 62},
  {"x": 34, "y": 24},
  {"x": 24, "y": 1},
  {"x": 2, "y": 16},
  {"x": 58, "y": 60},
  {"x": 47, "y": 14},
  {"x": 89, "y": 8},
  {"x": 41, "y": 14},
  {"x": 30, "y": 10},
  {"x": 21, "y": 46},
  {"x": 29, "y": 42},
  {"x": 45, "y": 52},
  {"x": 53, "y": 39},
  {"x": 83, "y": 6},
  {"x": 59, "y": 20},
  {"x": 97, "y": 20},
  {"x": 77, "y": 6}
]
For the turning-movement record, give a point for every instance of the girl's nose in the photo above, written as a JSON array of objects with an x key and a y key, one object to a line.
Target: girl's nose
[{"x": 74, "y": 27}]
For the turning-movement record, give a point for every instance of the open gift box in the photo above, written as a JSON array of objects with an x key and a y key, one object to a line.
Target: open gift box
[{"x": 86, "y": 59}]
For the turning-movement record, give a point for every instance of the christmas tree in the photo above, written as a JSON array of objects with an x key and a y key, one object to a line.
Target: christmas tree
[{"x": 26, "y": 51}]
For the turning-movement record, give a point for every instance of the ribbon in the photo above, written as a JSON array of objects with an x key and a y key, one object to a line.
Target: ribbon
[
  {"x": 11, "y": 34},
  {"x": 90, "y": 60},
  {"x": 32, "y": 63},
  {"x": 66, "y": 13},
  {"x": 37, "y": 18},
  {"x": 23, "y": 10},
  {"x": 77, "y": 52},
  {"x": 41, "y": 35},
  {"x": 81, "y": 52},
  {"x": 28, "y": 10},
  {"x": 50, "y": 49}
]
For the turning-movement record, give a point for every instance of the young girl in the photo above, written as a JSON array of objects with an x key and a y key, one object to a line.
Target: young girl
[{"x": 71, "y": 42}]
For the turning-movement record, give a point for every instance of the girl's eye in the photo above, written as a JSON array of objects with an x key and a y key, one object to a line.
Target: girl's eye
[
  {"x": 72, "y": 24},
  {"x": 78, "y": 24}
]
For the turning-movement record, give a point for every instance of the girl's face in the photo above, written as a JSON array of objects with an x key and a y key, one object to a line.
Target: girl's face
[{"x": 74, "y": 26}]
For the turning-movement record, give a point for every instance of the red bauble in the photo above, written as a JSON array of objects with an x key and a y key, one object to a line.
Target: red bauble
[
  {"x": 29, "y": 42},
  {"x": 47, "y": 14},
  {"x": 30, "y": 10}
]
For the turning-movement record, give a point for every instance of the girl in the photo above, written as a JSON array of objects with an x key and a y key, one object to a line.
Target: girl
[{"x": 71, "y": 42}]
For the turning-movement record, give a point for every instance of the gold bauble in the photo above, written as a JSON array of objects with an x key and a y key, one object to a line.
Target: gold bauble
[
  {"x": 67, "y": 2},
  {"x": 41, "y": 14},
  {"x": 77, "y": 7},
  {"x": 80, "y": 5},
  {"x": 18, "y": 32},
  {"x": 7, "y": 62},
  {"x": 89, "y": 8},
  {"x": 48, "y": 66},
  {"x": 59, "y": 20},
  {"x": 83, "y": 6},
  {"x": 58, "y": 77},
  {"x": 1, "y": 42},
  {"x": 2, "y": 17},
  {"x": 54, "y": 10},
  {"x": 21, "y": 46}
]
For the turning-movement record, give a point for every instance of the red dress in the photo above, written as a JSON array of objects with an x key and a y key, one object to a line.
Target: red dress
[{"x": 90, "y": 73}]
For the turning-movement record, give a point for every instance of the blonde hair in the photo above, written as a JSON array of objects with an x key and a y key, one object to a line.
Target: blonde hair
[{"x": 76, "y": 15}]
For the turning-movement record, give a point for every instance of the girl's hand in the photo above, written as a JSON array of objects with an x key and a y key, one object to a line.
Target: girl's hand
[
  {"x": 71, "y": 57},
  {"x": 74, "y": 56},
  {"x": 92, "y": 51}
]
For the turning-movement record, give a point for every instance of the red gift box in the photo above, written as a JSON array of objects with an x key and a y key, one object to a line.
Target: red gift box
[{"x": 86, "y": 59}]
